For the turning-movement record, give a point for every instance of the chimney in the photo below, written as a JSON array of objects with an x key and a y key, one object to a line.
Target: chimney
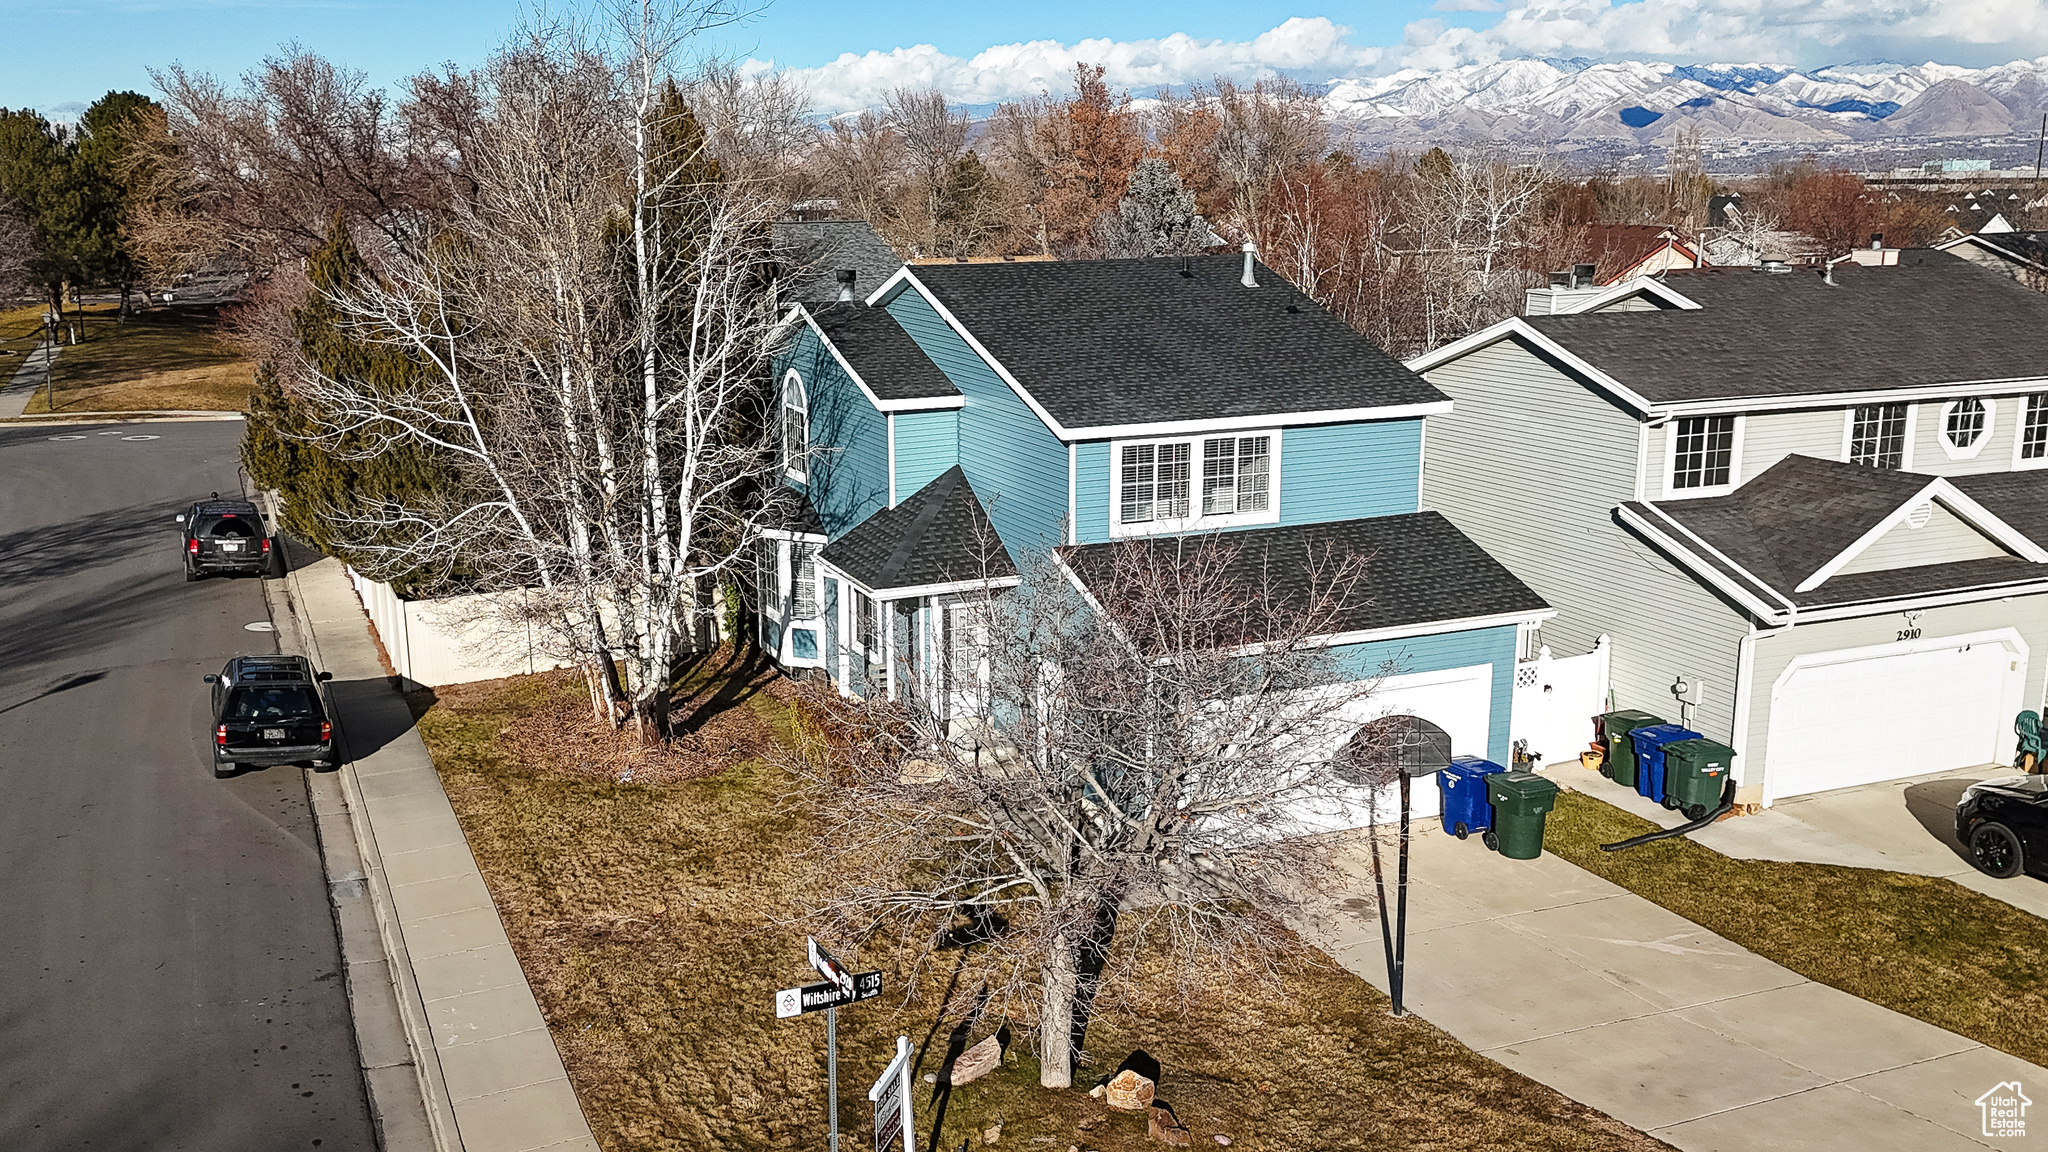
[
  {"x": 1877, "y": 240},
  {"x": 1582, "y": 275},
  {"x": 1250, "y": 251},
  {"x": 845, "y": 276},
  {"x": 1560, "y": 279}
]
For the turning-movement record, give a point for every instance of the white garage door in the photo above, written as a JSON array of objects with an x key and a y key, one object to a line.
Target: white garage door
[
  {"x": 1863, "y": 715},
  {"x": 1458, "y": 700}
]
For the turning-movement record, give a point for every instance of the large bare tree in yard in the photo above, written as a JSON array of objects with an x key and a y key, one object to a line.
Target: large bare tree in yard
[
  {"x": 591, "y": 332},
  {"x": 1149, "y": 773}
]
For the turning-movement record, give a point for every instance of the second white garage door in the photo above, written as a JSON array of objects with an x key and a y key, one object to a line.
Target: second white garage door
[{"x": 1858, "y": 716}]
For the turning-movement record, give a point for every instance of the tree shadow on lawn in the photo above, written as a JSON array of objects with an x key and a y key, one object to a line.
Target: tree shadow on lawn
[{"x": 714, "y": 682}]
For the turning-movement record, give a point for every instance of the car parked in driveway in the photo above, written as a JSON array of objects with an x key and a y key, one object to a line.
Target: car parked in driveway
[
  {"x": 2004, "y": 825},
  {"x": 270, "y": 710},
  {"x": 224, "y": 536}
]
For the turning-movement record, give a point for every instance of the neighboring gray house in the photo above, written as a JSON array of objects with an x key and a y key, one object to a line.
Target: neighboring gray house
[
  {"x": 2020, "y": 255},
  {"x": 1816, "y": 504}
]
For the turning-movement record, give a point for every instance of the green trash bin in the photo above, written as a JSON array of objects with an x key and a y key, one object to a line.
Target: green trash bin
[
  {"x": 1695, "y": 772},
  {"x": 1620, "y": 765},
  {"x": 1520, "y": 801}
]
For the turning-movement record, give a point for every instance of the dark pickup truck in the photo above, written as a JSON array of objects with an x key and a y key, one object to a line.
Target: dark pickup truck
[
  {"x": 224, "y": 536},
  {"x": 270, "y": 710}
]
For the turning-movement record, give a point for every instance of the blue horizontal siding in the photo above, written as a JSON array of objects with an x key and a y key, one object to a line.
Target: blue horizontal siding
[
  {"x": 849, "y": 466},
  {"x": 1091, "y": 492},
  {"x": 1345, "y": 471},
  {"x": 1327, "y": 472},
  {"x": 1495, "y": 646},
  {"x": 1017, "y": 466},
  {"x": 927, "y": 443}
]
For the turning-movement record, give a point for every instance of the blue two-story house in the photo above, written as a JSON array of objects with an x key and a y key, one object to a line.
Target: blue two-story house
[{"x": 962, "y": 416}]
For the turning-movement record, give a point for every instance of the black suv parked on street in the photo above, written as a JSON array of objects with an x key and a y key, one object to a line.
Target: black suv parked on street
[
  {"x": 224, "y": 536},
  {"x": 269, "y": 710}
]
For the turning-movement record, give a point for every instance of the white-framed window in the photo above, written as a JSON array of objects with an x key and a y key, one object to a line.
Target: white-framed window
[
  {"x": 1237, "y": 475},
  {"x": 2030, "y": 447},
  {"x": 1966, "y": 426},
  {"x": 1189, "y": 482},
  {"x": 796, "y": 427},
  {"x": 803, "y": 580},
  {"x": 1705, "y": 454},
  {"x": 1879, "y": 436}
]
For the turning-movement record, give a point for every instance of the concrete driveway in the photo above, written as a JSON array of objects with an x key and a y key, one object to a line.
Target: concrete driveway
[
  {"x": 1620, "y": 1004},
  {"x": 1899, "y": 826}
]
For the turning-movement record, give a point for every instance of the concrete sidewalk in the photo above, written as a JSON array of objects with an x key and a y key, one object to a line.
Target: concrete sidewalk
[
  {"x": 1622, "y": 1005},
  {"x": 1896, "y": 826},
  {"x": 27, "y": 380},
  {"x": 487, "y": 1069}
]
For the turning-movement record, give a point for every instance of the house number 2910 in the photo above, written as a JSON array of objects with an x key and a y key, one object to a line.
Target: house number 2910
[{"x": 1909, "y": 633}]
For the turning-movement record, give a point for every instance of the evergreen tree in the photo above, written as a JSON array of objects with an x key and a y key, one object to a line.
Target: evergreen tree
[
  {"x": 328, "y": 483},
  {"x": 1156, "y": 217}
]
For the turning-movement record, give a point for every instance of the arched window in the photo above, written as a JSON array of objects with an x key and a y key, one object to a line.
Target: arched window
[{"x": 796, "y": 427}]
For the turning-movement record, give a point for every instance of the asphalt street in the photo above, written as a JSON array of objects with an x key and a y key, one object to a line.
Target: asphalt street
[{"x": 169, "y": 975}]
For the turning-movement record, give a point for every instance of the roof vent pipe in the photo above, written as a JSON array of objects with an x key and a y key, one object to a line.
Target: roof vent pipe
[
  {"x": 845, "y": 276},
  {"x": 1829, "y": 274},
  {"x": 1250, "y": 251}
]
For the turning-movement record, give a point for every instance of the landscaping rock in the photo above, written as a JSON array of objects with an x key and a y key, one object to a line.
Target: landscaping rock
[
  {"x": 1223, "y": 1140},
  {"x": 1129, "y": 1092},
  {"x": 1098, "y": 1091},
  {"x": 978, "y": 1061},
  {"x": 993, "y": 1132}
]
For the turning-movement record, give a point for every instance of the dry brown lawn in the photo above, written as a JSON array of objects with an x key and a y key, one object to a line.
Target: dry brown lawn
[
  {"x": 656, "y": 920},
  {"x": 168, "y": 359}
]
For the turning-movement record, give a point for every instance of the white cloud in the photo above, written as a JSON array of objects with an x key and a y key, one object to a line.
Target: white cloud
[
  {"x": 1312, "y": 46},
  {"x": 1797, "y": 32}
]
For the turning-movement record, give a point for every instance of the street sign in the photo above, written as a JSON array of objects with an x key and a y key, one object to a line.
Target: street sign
[
  {"x": 827, "y": 964},
  {"x": 826, "y": 994},
  {"x": 891, "y": 1096}
]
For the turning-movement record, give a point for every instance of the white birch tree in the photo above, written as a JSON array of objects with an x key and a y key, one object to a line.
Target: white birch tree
[{"x": 591, "y": 332}]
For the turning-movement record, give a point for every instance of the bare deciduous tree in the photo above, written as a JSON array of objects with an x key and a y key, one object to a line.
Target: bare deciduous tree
[
  {"x": 591, "y": 331},
  {"x": 1149, "y": 761}
]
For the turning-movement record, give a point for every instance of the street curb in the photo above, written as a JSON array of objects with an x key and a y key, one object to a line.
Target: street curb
[
  {"x": 479, "y": 1069},
  {"x": 387, "y": 1038},
  {"x": 168, "y": 416}
]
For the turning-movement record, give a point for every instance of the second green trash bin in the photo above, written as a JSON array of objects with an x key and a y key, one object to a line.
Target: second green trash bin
[
  {"x": 1520, "y": 802},
  {"x": 1695, "y": 772},
  {"x": 1621, "y": 751}
]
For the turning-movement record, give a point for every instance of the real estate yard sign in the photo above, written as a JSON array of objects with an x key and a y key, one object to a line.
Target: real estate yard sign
[{"x": 891, "y": 1096}]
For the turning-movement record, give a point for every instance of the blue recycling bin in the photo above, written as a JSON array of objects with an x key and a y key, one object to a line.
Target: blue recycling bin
[
  {"x": 1463, "y": 788},
  {"x": 1650, "y": 744}
]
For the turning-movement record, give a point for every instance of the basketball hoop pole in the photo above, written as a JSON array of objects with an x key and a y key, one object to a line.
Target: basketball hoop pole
[{"x": 1394, "y": 978}]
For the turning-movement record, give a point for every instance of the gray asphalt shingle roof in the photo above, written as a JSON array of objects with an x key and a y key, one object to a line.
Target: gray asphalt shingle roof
[
  {"x": 811, "y": 253},
  {"x": 1787, "y": 522},
  {"x": 1108, "y": 342},
  {"x": 891, "y": 363},
  {"x": 1420, "y": 568},
  {"x": 939, "y": 535},
  {"x": 1934, "y": 318}
]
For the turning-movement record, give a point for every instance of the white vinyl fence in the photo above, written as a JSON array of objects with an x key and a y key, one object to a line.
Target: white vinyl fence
[
  {"x": 1556, "y": 700},
  {"x": 448, "y": 641}
]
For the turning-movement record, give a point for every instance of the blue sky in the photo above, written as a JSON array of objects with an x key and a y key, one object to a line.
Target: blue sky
[{"x": 64, "y": 52}]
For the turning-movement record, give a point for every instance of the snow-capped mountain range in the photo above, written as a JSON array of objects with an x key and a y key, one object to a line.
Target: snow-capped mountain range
[{"x": 1586, "y": 103}]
